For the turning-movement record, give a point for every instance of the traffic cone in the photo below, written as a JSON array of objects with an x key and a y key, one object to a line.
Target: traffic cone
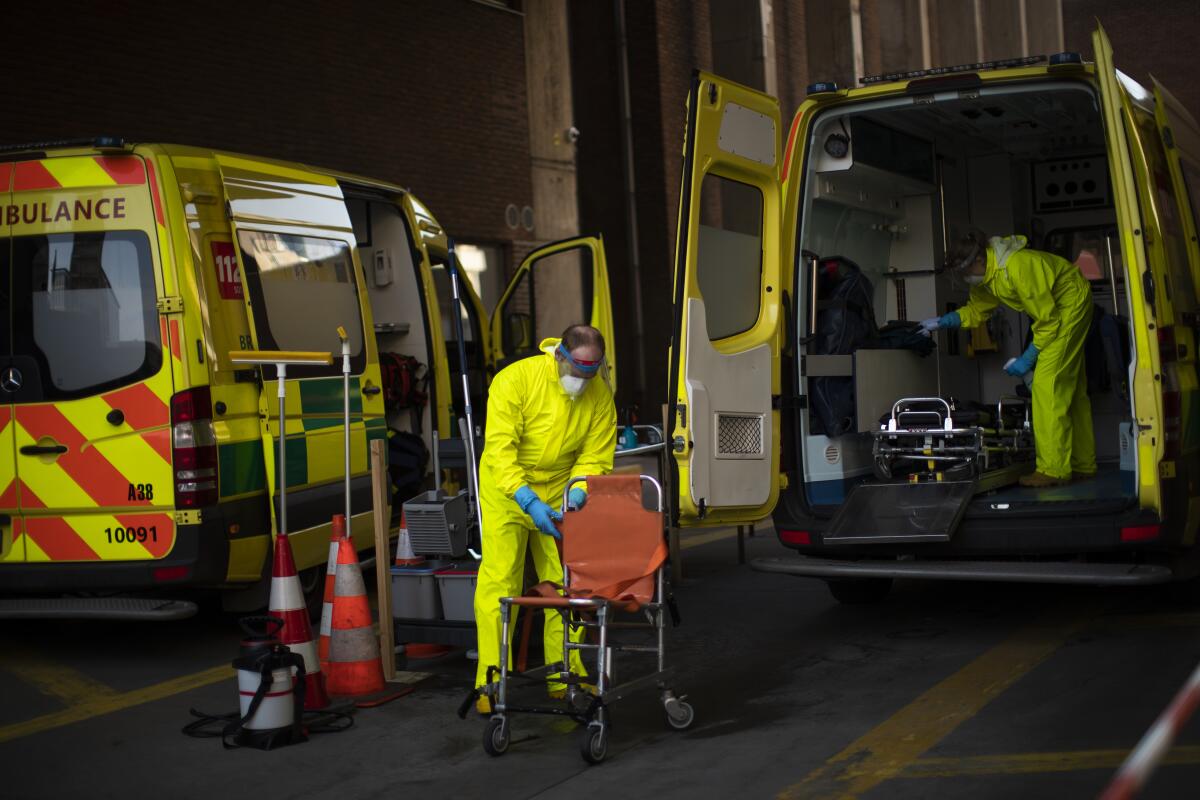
[
  {"x": 354, "y": 665},
  {"x": 287, "y": 605},
  {"x": 338, "y": 533},
  {"x": 405, "y": 557}
]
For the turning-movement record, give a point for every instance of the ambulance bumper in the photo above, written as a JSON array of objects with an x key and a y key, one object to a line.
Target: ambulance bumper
[{"x": 199, "y": 557}]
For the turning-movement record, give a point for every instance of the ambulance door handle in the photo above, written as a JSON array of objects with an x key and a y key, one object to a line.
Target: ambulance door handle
[
  {"x": 370, "y": 389},
  {"x": 43, "y": 449}
]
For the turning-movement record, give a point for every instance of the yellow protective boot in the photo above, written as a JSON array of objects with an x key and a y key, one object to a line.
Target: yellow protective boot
[{"x": 1040, "y": 480}]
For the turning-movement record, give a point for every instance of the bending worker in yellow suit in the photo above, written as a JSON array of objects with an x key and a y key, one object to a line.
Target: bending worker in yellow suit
[
  {"x": 548, "y": 420},
  {"x": 1054, "y": 293}
]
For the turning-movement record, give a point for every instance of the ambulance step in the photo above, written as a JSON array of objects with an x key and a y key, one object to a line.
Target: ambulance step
[
  {"x": 125, "y": 608},
  {"x": 877, "y": 513},
  {"x": 1056, "y": 572}
]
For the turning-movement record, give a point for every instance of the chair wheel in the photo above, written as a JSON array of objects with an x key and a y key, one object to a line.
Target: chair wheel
[
  {"x": 680, "y": 714},
  {"x": 593, "y": 744},
  {"x": 495, "y": 736}
]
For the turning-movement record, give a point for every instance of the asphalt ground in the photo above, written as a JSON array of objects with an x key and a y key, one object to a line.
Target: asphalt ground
[{"x": 943, "y": 690}]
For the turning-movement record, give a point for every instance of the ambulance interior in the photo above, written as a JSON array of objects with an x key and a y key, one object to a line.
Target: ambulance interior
[
  {"x": 386, "y": 251},
  {"x": 885, "y": 183}
]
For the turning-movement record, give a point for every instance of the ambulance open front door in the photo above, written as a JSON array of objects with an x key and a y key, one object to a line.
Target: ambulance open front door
[
  {"x": 724, "y": 369},
  {"x": 560, "y": 284}
]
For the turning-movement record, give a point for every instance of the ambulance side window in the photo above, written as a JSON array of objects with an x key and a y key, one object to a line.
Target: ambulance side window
[
  {"x": 301, "y": 289},
  {"x": 555, "y": 293},
  {"x": 729, "y": 255}
]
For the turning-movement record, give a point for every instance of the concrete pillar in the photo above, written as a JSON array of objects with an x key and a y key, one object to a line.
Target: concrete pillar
[{"x": 555, "y": 203}]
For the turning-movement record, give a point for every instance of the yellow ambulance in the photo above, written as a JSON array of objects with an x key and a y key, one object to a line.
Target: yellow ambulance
[
  {"x": 1082, "y": 160},
  {"x": 134, "y": 456}
]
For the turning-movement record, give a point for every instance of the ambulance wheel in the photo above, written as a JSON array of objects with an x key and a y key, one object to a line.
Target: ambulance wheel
[
  {"x": 312, "y": 584},
  {"x": 495, "y": 736},
  {"x": 860, "y": 591},
  {"x": 593, "y": 744}
]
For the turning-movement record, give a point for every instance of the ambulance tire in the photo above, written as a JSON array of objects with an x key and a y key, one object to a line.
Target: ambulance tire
[
  {"x": 312, "y": 584},
  {"x": 860, "y": 591}
]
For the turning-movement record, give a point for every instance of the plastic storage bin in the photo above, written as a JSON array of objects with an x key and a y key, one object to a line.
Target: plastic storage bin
[
  {"x": 457, "y": 587},
  {"x": 415, "y": 593}
]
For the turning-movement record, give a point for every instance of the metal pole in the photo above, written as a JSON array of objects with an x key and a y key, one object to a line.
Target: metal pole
[
  {"x": 346, "y": 416},
  {"x": 281, "y": 377},
  {"x": 437, "y": 467},
  {"x": 469, "y": 443},
  {"x": 631, "y": 218}
]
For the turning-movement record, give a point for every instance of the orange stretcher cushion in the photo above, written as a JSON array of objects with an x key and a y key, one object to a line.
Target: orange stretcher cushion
[{"x": 613, "y": 546}]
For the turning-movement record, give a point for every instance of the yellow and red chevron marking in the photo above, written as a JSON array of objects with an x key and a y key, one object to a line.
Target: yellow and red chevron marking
[
  {"x": 8, "y": 480},
  {"x": 95, "y": 537},
  {"x": 78, "y": 172},
  {"x": 82, "y": 469},
  {"x": 5, "y": 176}
]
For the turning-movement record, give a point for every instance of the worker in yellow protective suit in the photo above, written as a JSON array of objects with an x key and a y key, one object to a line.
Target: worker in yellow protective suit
[
  {"x": 1054, "y": 293},
  {"x": 548, "y": 420}
]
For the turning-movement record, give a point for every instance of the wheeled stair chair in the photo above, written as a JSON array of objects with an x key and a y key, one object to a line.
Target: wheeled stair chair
[{"x": 613, "y": 553}]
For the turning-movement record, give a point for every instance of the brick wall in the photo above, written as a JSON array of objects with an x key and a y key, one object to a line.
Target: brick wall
[
  {"x": 429, "y": 94},
  {"x": 1158, "y": 38}
]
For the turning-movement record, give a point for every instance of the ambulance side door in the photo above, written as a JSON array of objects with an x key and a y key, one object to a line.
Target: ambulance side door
[
  {"x": 295, "y": 248},
  {"x": 1147, "y": 399},
  {"x": 12, "y": 548},
  {"x": 724, "y": 369},
  {"x": 561, "y": 284}
]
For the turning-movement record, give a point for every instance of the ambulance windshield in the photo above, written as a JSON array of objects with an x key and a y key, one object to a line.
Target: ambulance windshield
[{"x": 83, "y": 310}]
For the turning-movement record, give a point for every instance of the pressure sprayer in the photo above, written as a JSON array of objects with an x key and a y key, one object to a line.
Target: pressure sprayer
[
  {"x": 469, "y": 434},
  {"x": 270, "y": 695}
]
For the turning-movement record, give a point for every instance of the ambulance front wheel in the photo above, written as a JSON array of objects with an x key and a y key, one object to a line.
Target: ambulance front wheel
[{"x": 860, "y": 591}]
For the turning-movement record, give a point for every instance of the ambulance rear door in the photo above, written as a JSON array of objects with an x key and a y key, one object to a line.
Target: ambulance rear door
[
  {"x": 1140, "y": 279},
  {"x": 12, "y": 546},
  {"x": 295, "y": 246},
  {"x": 724, "y": 369},
  {"x": 560, "y": 284},
  {"x": 92, "y": 362}
]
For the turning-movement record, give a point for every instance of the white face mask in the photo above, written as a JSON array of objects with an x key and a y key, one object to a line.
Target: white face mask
[
  {"x": 572, "y": 385},
  {"x": 973, "y": 280}
]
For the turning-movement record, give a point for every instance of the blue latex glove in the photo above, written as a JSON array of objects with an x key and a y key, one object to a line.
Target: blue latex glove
[
  {"x": 930, "y": 325},
  {"x": 1023, "y": 363},
  {"x": 543, "y": 516},
  {"x": 576, "y": 498},
  {"x": 951, "y": 320}
]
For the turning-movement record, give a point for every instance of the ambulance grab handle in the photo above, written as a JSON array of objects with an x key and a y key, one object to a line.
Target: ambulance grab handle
[{"x": 43, "y": 449}]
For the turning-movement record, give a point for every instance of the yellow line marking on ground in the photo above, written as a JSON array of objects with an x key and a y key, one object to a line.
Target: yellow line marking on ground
[
  {"x": 888, "y": 749},
  {"x": 698, "y": 539},
  {"x": 98, "y": 705},
  {"x": 49, "y": 677},
  {"x": 1135, "y": 622},
  {"x": 1028, "y": 763},
  {"x": 106, "y": 704}
]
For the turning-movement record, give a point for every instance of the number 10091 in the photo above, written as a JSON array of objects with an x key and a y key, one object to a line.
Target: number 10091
[{"x": 139, "y": 534}]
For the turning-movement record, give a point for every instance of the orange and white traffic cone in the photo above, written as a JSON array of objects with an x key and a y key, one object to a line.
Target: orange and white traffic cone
[
  {"x": 338, "y": 533},
  {"x": 287, "y": 605},
  {"x": 405, "y": 557},
  {"x": 354, "y": 665}
]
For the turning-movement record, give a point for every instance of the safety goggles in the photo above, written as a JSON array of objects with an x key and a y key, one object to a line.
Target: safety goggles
[{"x": 587, "y": 369}]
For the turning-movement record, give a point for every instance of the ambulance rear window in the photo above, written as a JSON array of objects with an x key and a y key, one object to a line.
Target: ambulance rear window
[{"x": 83, "y": 309}]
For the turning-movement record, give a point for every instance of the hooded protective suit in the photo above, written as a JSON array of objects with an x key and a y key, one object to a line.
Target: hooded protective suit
[
  {"x": 1054, "y": 293},
  {"x": 537, "y": 436}
]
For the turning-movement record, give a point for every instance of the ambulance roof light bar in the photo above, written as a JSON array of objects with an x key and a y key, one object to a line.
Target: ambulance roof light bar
[
  {"x": 1005, "y": 63},
  {"x": 98, "y": 142}
]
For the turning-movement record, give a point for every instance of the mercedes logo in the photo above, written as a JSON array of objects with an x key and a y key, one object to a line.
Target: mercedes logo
[{"x": 11, "y": 380}]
